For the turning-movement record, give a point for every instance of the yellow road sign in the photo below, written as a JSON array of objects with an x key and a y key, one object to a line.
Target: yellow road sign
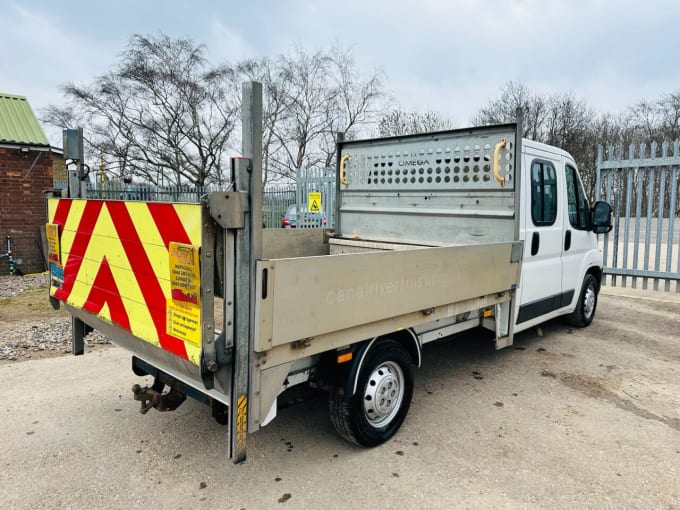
[{"x": 314, "y": 201}]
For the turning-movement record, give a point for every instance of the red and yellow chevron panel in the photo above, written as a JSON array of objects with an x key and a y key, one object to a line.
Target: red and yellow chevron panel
[{"x": 114, "y": 260}]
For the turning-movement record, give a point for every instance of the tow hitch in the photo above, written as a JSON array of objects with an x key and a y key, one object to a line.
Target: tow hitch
[{"x": 153, "y": 396}]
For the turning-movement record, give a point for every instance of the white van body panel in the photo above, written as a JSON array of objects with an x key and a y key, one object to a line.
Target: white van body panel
[{"x": 553, "y": 276}]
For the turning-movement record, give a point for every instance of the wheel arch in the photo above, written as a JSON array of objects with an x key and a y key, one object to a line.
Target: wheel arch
[
  {"x": 596, "y": 271},
  {"x": 348, "y": 376},
  {"x": 592, "y": 269}
]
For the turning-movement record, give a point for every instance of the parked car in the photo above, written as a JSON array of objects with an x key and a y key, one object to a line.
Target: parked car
[{"x": 309, "y": 219}]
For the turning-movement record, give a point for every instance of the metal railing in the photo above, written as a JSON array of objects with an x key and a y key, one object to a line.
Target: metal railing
[
  {"x": 275, "y": 203},
  {"x": 316, "y": 184},
  {"x": 642, "y": 187},
  {"x": 276, "y": 200},
  {"x": 148, "y": 193}
]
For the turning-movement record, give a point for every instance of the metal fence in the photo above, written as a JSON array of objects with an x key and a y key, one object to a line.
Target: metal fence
[
  {"x": 316, "y": 184},
  {"x": 642, "y": 187},
  {"x": 148, "y": 193},
  {"x": 276, "y": 200}
]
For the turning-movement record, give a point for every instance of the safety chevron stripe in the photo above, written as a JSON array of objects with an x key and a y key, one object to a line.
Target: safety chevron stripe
[{"x": 115, "y": 260}]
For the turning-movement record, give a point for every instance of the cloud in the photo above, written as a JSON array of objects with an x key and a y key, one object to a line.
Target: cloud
[
  {"x": 450, "y": 57},
  {"x": 225, "y": 43},
  {"x": 46, "y": 47},
  {"x": 42, "y": 53},
  {"x": 440, "y": 55}
]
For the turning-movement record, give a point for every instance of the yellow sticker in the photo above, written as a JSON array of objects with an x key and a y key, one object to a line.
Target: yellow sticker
[
  {"x": 314, "y": 201},
  {"x": 52, "y": 234},
  {"x": 184, "y": 321},
  {"x": 241, "y": 421},
  {"x": 185, "y": 275}
]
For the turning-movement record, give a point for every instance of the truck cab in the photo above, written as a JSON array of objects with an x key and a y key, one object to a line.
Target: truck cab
[{"x": 562, "y": 265}]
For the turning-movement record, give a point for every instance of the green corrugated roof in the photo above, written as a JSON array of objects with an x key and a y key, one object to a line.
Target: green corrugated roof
[{"x": 18, "y": 123}]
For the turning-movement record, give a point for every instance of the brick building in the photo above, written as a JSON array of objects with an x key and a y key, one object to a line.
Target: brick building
[{"x": 26, "y": 173}]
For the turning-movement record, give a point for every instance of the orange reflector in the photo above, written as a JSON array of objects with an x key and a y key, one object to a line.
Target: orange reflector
[
  {"x": 342, "y": 358},
  {"x": 487, "y": 313}
]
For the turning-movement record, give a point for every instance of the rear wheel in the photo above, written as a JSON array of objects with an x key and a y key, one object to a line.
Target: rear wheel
[
  {"x": 384, "y": 391},
  {"x": 584, "y": 313}
]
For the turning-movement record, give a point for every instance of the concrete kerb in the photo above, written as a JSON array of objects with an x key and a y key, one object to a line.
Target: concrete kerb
[{"x": 649, "y": 295}]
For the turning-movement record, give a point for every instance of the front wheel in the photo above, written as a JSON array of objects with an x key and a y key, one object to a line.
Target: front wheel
[
  {"x": 584, "y": 313},
  {"x": 384, "y": 391}
]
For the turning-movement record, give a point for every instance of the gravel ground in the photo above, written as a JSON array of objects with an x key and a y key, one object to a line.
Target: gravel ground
[
  {"x": 11, "y": 286},
  {"x": 29, "y": 328}
]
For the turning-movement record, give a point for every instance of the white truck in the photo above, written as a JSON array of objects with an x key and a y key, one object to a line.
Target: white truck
[{"x": 435, "y": 234}]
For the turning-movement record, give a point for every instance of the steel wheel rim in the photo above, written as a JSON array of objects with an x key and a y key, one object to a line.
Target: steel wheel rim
[
  {"x": 384, "y": 393},
  {"x": 589, "y": 302}
]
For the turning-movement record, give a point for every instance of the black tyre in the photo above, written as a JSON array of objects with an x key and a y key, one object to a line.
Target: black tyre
[
  {"x": 584, "y": 313},
  {"x": 384, "y": 391}
]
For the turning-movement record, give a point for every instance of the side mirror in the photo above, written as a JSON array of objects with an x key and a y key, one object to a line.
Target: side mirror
[{"x": 601, "y": 215}]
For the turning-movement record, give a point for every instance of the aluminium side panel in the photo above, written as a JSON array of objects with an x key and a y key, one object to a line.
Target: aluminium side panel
[{"x": 307, "y": 297}]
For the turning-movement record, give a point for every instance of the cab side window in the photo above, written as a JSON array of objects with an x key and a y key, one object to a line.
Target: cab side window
[
  {"x": 543, "y": 193},
  {"x": 577, "y": 201}
]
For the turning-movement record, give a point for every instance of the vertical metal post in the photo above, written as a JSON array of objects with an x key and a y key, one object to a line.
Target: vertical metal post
[
  {"x": 247, "y": 173},
  {"x": 671, "y": 225},
  {"x": 676, "y": 154},
  {"x": 608, "y": 199},
  {"x": 252, "y": 149},
  {"x": 651, "y": 179},
  {"x": 340, "y": 137},
  {"x": 78, "y": 331},
  {"x": 626, "y": 225},
  {"x": 638, "y": 213},
  {"x": 74, "y": 150},
  {"x": 598, "y": 171},
  {"x": 618, "y": 179},
  {"x": 238, "y": 409},
  {"x": 660, "y": 211},
  {"x": 208, "y": 349}
]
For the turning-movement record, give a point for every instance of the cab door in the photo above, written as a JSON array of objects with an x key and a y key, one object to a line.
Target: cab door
[
  {"x": 577, "y": 239},
  {"x": 542, "y": 227}
]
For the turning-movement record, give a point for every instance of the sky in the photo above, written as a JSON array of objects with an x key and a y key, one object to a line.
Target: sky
[{"x": 451, "y": 56}]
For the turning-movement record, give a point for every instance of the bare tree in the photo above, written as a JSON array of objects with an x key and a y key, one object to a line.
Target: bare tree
[
  {"x": 669, "y": 112},
  {"x": 643, "y": 120},
  {"x": 569, "y": 124},
  {"x": 514, "y": 97},
  {"x": 359, "y": 100},
  {"x": 399, "y": 122},
  {"x": 273, "y": 106},
  {"x": 655, "y": 120},
  {"x": 309, "y": 97},
  {"x": 163, "y": 113},
  {"x": 558, "y": 119}
]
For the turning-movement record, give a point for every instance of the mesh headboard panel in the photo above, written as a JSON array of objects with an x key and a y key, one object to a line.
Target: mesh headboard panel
[{"x": 436, "y": 187}]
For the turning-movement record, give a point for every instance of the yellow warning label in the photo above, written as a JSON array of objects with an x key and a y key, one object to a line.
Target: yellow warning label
[
  {"x": 314, "y": 201},
  {"x": 185, "y": 276},
  {"x": 184, "y": 321},
  {"x": 241, "y": 421},
  {"x": 52, "y": 234}
]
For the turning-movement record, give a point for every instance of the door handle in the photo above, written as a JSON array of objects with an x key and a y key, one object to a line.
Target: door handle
[
  {"x": 567, "y": 240},
  {"x": 535, "y": 241}
]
